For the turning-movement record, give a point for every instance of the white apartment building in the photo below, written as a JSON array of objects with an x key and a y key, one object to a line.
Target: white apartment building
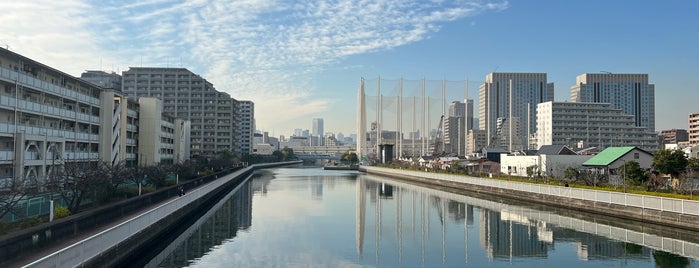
[
  {"x": 246, "y": 111},
  {"x": 162, "y": 138},
  {"x": 629, "y": 92},
  {"x": 46, "y": 117},
  {"x": 694, "y": 129},
  {"x": 593, "y": 124},
  {"x": 526, "y": 90},
  {"x": 119, "y": 146}
]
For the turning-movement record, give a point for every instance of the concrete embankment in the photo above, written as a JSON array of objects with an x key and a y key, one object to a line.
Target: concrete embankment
[
  {"x": 657, "y": 210},
  {"x": 134, "y": 239}
]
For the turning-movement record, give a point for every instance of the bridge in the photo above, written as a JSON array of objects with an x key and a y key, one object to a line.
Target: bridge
[
  {"x": 319, "y": 153},
  {"x": 329, "y": 150}
]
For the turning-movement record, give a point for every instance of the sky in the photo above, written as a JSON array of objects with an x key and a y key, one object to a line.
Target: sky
[{"x": 303, "y": 60}]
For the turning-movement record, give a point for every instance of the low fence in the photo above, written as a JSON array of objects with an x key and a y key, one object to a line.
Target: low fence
[
  {"x": 95, "y": 245},
  {"x": 663, "y": 204}
]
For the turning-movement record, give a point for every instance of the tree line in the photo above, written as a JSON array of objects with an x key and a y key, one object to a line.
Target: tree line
[{"x": 74, "y": 182}]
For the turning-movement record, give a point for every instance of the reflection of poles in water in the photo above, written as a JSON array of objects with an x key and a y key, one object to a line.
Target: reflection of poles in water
[
  {"x": 444, "y": 235},
  {"x": 399, "y": 222},
  {"x": 377, "y": 226},
  {"x": 422, "y": 227},
  {"x": 412, "y": 213},
  {"x": 361, "y": 214},
  {"x": 465, "y": 233},
  {"x": 510, "y": 223}
]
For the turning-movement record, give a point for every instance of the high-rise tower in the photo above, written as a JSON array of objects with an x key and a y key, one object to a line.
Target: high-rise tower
[
  {"x": 629, "y": 92},
  {"x": 508, "y": 101}
]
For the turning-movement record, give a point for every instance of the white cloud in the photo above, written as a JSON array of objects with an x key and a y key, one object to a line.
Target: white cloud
[{"x": 265, "y": 51}]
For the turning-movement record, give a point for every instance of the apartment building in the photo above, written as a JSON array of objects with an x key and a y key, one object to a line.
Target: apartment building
[
  {"x": 46, "y": 117},
  {"x": 674, "y": 136},
  {"x": 694, "y": 129},
  {"x": 213, "y": 114},
  {"x": 246, "y": 126},
  {"x": 162, "y": 137},
  {"x": 121, "y": 144},
  {"x": 504, "y": 97},
  {"x": 476, "y": 140},
  {"x": 629, "y": 92},
  {"x": 590, "y": 124}
]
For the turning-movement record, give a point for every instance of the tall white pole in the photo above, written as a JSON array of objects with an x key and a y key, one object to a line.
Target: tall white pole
[
  {"x": 510, "y": 100},
  {"x": 413, "y": 127},
  {"x": 399, "y": 133},
  {"x": 424, "y": 131},
  {"x": 378, "y": 116},
  {"x": 466, "y": 116},
  {"x": 444, "y": 111},
  {"x": 529, "y": 129},
  {"x": 361, "y": 121}
]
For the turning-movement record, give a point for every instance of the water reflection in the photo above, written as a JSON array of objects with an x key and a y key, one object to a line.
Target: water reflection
[
  {"x": 221, "y": 224},
  {"x": 508, "y": 232},
  {"x": 304, "y": 217}
]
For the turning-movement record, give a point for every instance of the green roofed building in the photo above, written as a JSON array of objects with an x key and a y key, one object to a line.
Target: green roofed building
[{"x": 612, "y": 158}]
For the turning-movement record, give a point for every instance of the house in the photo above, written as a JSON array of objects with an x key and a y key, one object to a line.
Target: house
[
  {"x": 555, "y": 150},
  {"x": 550, "y": 160},
  {"x": 481, "y": 165},
  {"x": 426, "y": 161},
  {"x": 445, "y": 162},
  {"x": 611, "y": 159}
]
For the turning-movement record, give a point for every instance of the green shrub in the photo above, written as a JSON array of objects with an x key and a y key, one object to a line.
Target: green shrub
[
  {"x": 30, "y": 222},
  {"x": 60, "y": 212}
]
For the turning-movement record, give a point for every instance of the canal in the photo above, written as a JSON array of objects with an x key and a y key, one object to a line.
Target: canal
[{"x": 308, "y": 217}]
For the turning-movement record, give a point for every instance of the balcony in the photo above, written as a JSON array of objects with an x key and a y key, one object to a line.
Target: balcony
[{"x": 42, "y": 85}]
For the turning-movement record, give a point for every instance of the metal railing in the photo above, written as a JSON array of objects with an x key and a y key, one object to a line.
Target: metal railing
[
  {"x": 88, "y": 248},
  {"x": 681, "y": 206}
]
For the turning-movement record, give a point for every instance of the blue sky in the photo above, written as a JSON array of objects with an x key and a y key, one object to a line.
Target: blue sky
[{"x": 302, "y": 60}]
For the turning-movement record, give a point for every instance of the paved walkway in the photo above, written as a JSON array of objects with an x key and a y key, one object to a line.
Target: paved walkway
[{"x": 85, "y": 234}]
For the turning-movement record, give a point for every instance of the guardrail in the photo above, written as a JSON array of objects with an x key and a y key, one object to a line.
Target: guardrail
[
  {"x": 681, "y": 206},
  {"x": 88, "y": 248}
]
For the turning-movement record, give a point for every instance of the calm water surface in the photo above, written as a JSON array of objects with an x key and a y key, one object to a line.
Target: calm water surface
[{"x": 301, "y": 217}]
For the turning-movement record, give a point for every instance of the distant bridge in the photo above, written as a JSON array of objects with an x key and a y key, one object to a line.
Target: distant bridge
[{"x": 322, "y": 150}]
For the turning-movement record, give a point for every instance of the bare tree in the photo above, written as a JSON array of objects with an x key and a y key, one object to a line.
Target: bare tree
[
  {"x": 74, "y": 181},
  {"x": 156, "y": 175},
  {"x": 11, "y": 193}
]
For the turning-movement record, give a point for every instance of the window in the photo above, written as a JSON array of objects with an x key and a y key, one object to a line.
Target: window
[{"x": 636, "y": 156}]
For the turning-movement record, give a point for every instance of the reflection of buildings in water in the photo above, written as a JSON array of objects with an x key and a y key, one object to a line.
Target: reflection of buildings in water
[
  {"x": 386, "y": 191},
  {"x": 260, "y": 181},
  {"x": 316, "y": 185},
  {"x": 505, "y": 231},
  {"x": 594, "y": 247},
  {"x": 233, "y": 215},
  {"x": 457, "y": 211},
  {"x": 504, "y": 235}
]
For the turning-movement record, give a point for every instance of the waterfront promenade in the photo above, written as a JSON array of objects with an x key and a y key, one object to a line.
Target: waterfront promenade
[{"x": 144, "y": 225}]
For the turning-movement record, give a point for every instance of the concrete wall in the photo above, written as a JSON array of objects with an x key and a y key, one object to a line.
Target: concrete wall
[{"x": 661, "y": 211}]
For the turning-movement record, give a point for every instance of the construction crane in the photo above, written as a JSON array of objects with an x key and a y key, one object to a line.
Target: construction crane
[{"x": 436, "y": 146}]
